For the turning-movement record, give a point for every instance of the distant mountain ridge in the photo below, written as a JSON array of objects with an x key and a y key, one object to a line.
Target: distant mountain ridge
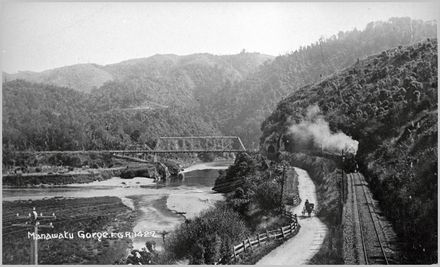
[
  {"x": 233, "y": 93},
  {"x": 240, "y": 108},
  {"x": 82, "y": 77},
  {"x": 85, "y": 77}
]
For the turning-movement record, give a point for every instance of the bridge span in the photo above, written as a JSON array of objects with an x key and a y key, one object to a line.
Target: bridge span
[{"x": 164, "y": 145}]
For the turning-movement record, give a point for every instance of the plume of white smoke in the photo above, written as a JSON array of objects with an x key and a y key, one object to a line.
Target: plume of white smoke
[{"x": 314, "y": 130}]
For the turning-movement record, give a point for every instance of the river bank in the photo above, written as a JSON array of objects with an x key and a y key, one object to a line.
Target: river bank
[
  {"x": 248, "y": 210},
  {"x": 154, "y": 206},
  {"x": 59, "y": 179},
  {"x": 179, "y": 201},
  {"x": 159, "y": 171}
]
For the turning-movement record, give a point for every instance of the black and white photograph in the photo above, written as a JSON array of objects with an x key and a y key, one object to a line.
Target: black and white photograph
[{"x": 219, "y": 133}]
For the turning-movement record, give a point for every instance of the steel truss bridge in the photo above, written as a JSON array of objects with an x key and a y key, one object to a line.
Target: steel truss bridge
[{"x": 187, "y": 144}]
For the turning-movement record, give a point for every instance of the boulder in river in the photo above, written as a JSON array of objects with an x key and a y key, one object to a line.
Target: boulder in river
[
  {"x": 163, "y": 171},
  {"x": 144, "y": 171}
]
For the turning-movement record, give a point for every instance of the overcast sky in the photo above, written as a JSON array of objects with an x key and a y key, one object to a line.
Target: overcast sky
[{"x": 39, "y": 36}]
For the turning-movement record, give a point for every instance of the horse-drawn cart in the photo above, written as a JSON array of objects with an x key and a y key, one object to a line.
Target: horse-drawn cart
[{"x": 308, "y": 207}]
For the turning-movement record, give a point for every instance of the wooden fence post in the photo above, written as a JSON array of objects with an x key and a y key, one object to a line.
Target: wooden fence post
[
  {"x": 292, "y": 228},
  {"x": 250, "y": 244}
]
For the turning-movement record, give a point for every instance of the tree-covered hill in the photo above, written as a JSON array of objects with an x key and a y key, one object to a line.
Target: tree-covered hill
[
  {"x": 234, "y": 93},
  {"x": 179, "y": 80},
  {"x": 45, "y": 117},
  {"x": 387, "y": 102},
  {"x": 166, "y": 79},
  {"x": 240, "y": 107},
  {"x": 143, "y": 99},
  {"x": 82, "y": 77}
]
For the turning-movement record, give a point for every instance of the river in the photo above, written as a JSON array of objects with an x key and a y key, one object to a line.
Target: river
[{"x": 157, "y": 203}]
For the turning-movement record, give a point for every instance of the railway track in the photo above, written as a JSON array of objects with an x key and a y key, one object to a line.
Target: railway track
[{"x": 370, "y": 232}]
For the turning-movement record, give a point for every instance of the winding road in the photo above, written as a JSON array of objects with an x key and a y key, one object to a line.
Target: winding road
[{"x": 300, "y": 248}]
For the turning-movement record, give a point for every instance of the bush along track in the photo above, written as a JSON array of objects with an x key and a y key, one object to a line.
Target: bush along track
[
  {"x": 387, "y": 102},
  {"x": 252, "y": 207}
]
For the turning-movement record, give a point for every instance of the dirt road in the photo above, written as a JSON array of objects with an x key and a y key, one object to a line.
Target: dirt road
[{"x": 300, "y": 248}]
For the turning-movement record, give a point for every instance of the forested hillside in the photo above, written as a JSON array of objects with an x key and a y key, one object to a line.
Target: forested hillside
[
  {"x": 232, "y": 93},
  {"x": 166, "y": 79},
  {"x": 44, "y": 117},
  {"x": 387, "y": 102},
  {"x": 241, "y": 107},
  {"x": 130, "y": 103},
  {"x": 82, "y": 77}
]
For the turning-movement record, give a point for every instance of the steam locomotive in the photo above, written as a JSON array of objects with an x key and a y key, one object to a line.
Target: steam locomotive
[{"x": 346, "y": 158}]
